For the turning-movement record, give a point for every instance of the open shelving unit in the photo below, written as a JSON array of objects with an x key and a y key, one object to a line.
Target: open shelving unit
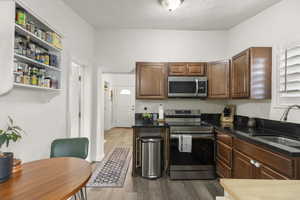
[
  {"x": 20, "y": 85},
  {"x": 51, "y": 71}
]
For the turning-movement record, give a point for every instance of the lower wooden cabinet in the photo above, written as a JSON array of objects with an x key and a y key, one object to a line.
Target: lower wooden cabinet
[
  {"x": 239, "y": 159},
  {"x": 224, "y": 155},
  {"x": 268, "y": 173},
  {"x": 223, "y": 170},
  {"x": 242, "y": 166},
  {"x": 279, "y": 163}
]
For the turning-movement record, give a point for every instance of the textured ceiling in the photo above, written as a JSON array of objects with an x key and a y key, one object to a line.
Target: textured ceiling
[{"x": 148, "y": 14}]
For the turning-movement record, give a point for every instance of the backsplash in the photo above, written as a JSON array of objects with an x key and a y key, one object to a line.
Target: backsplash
[
  {"x": 211, "y": 106},
  {"x": 257, "y": 108}
]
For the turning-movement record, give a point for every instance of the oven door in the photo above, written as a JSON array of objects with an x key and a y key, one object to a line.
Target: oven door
[
  {"x": 202, "y": 154},
  {"x": 187, "y": 86}
]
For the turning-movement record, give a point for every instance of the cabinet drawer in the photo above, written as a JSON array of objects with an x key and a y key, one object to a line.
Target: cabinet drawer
[
  {"x": 226, "y": 139},
  {"x": 281, "y": 164},
  {"x": 268, "y": 173},
  {"x": 224, "y": 153},
  {"x": 223, "y": 170}
]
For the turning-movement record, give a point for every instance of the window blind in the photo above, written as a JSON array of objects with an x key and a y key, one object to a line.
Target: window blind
[{"x": 290, "y": 72}]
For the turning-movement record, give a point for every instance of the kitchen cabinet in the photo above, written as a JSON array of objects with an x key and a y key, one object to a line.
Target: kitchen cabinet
[
  {"x": 251, "y": 73},
  {"x": 177, "y": 69},
  {"x": 253, "y": 162},
  {"x": 248, "y": 168},
  {"x": 224, "y": 155},
  {"x": 218, "y": 79},
  {"x": 196, "y": 69},
  {"x": 151, "y": 80},
  {"x": 187, "y": 69},
  {"x": 243, "y": 168},
  {"x": 236, "y": 158}
]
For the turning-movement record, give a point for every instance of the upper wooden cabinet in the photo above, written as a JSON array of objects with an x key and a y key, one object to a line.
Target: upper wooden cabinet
[
  {"x": 177, "y": 69},
  {"x": 251, "y": 73},
  {"x": 187, "y": 69},
  {"x": 196, "y": 69},
  {"x": 240, "y": 74},
  {"x": 151, "y": 80},
  {"x": 218, "y": 79}
]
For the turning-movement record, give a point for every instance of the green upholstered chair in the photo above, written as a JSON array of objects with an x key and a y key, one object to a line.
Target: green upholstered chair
[{"x": 70, "y": 147}]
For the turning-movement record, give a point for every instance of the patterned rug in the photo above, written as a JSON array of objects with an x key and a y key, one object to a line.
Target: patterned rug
[{"x": 111, "y": 172}]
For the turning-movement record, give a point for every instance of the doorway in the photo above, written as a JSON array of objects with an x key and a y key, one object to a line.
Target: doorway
[
  {"x": 107, "y": 106},
  {"x": 124, "y": 106},
  {"x": 76, "y": 100}
]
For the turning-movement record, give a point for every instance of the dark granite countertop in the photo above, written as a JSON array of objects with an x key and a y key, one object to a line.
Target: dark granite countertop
[
  {"x": 240, "y": 130},
  {"x": 149, "y": 124},
  {"x": 252, "y": 135}
]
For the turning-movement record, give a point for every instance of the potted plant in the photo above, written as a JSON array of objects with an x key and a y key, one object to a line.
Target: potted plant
[{"x": 11, "y": 134}]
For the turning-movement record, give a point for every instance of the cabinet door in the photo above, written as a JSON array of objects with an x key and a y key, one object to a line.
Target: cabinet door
[
  {"x": 196, "y": 69},
  {"x": 224, "y": 153},
  {"x": 219, "y": 79},
  {"x": 177, "y": 69},
  {"x": 151, "y": 80},
  {"x": 242, "y": 167},
  {"x": 240, "y": 75},
  {"x": 223, "y": 170},
  {"x": 268, "y": 173}
]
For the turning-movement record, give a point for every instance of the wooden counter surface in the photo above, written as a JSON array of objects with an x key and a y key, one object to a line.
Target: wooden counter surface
[{"x": 244, "y": 189}]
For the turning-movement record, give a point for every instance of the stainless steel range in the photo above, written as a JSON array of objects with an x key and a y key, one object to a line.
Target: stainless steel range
[{"x": 192, "y": 146}]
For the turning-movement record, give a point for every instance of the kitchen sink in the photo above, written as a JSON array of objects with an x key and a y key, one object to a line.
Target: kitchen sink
[{"x": 281, "y": 140}]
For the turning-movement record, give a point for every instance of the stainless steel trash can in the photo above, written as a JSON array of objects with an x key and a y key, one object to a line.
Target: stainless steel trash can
[{"x": 151, "y": 157}]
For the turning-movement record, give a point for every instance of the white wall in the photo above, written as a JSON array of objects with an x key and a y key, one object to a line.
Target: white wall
[
  {"x": 44, "y": 117},
  {"x": 118, "y": 50},
  {"x": 276, "y": 26},
  {"x": 211, "y": 106}
]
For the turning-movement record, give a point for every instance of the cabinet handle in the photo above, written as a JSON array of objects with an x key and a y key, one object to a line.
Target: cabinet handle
[
  {"x": 257, "y": 164},
  {"x": 253, "y": 162}
]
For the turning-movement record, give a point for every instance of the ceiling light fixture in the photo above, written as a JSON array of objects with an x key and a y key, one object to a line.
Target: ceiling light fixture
[{"x": 171, "y": 5}]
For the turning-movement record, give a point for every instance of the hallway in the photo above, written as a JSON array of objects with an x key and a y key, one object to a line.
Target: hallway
[{"x": 142, "y": 189}]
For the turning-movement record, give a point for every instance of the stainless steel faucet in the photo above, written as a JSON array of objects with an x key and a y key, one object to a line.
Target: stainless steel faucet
[{"x": 284, "y": 117}]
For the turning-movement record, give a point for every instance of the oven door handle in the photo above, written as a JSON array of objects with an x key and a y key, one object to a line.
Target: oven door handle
[
  {"x": 195, "y": 136},
  {"x": 208, "y": 132}
]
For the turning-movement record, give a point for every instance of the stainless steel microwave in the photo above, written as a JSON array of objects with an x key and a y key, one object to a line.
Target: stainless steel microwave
[{"x": 187, "y": 86}]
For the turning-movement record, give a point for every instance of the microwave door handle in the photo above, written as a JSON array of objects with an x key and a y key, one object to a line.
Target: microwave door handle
[{"x": 197, "y": 87}]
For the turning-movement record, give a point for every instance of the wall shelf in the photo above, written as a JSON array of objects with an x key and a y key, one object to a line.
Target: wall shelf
[
  {"x": 32, "y": 44},
  {"x": 35, "y": 87},
  {"x": 22, "y": 31},
  {"x": 34, "y": 62}
]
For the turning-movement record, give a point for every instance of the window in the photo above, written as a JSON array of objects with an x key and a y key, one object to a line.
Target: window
[{"x": 289, "y": 76}]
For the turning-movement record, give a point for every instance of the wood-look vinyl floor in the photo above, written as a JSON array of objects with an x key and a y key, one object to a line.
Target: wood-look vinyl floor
[{"x": 143, "y": 189}]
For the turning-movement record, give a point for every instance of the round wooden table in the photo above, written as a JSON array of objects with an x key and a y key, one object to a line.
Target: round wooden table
[{"x": 50, "y": 179}]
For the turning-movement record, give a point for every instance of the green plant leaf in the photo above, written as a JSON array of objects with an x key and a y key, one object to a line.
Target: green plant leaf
[{"x": 2, "y": 140}]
